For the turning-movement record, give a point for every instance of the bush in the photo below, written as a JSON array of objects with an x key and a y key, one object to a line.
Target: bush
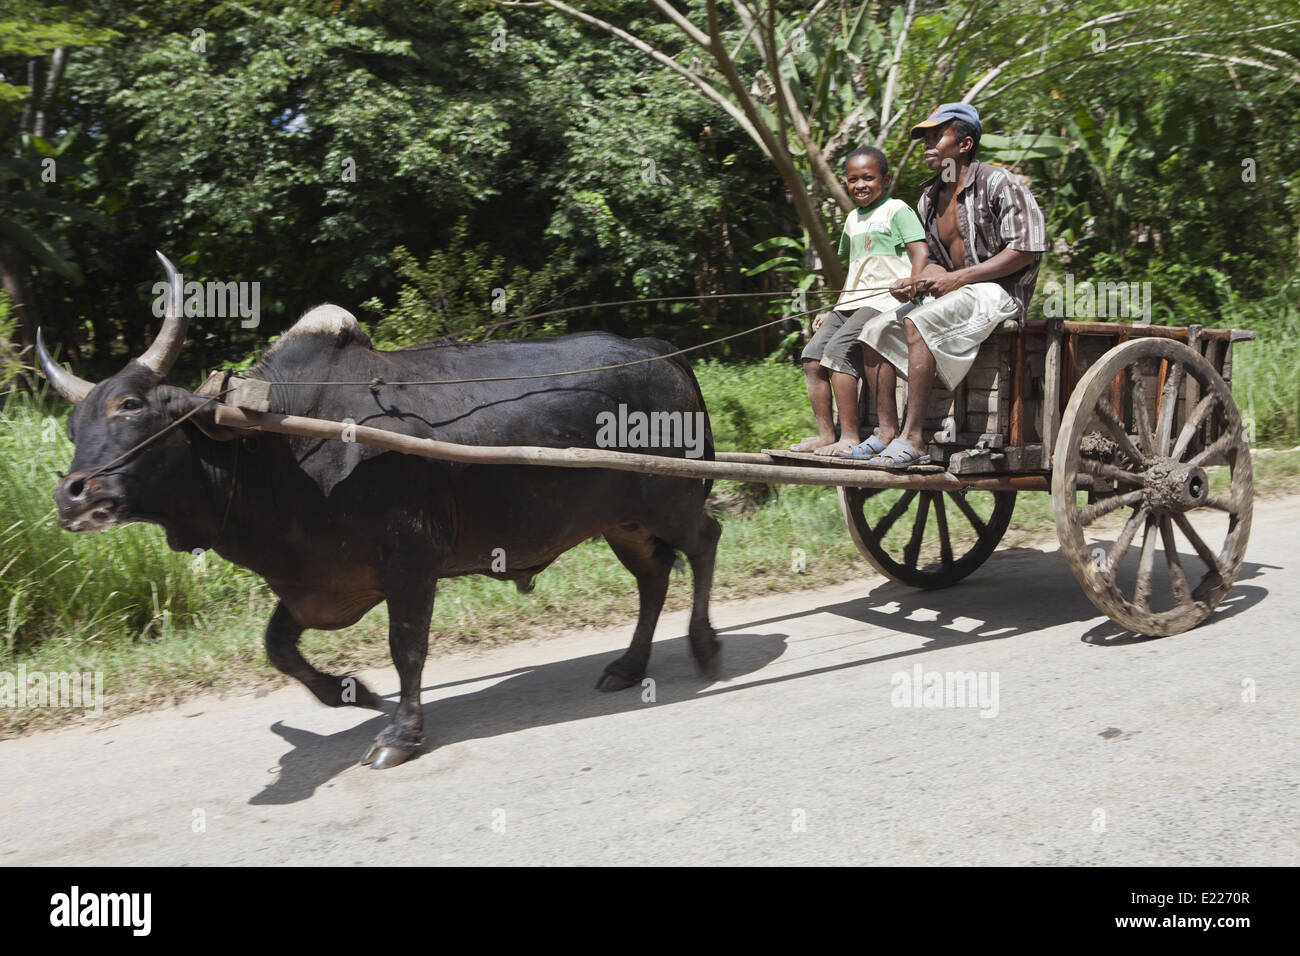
[{"x": 463, "y": 292}]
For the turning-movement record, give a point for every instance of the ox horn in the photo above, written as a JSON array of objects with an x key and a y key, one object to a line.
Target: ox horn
[
  {"x": 166, "y": 347},
  {"x": 65, "y": 383}
]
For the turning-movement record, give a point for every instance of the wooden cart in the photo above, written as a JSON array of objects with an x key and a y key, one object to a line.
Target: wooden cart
[{"x": 1132, "y": 429}]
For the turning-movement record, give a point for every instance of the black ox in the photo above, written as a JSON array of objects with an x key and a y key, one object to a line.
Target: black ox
[{"x": 335, "y": 528}]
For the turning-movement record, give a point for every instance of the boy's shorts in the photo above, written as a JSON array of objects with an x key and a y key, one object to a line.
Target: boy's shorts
[
  {"x": 953, "y": 326},
  {"x": 837, "y": 338}
]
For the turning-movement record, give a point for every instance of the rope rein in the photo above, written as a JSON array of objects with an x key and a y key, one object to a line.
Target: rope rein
[{"x": 375, "y": 383}]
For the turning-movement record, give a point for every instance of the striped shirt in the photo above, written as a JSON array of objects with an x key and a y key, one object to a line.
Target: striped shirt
[{"x": 996, "y": 212}]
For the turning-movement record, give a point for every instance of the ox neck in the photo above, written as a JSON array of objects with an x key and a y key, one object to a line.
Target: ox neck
[{"x": 189, "y": 506}]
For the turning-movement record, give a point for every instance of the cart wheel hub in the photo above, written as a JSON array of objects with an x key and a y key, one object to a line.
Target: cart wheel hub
[{"x": 1173, "y": 486}]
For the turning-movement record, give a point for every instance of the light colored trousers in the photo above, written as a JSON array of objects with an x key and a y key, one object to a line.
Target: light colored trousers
[{"x": 953, "y": 326}]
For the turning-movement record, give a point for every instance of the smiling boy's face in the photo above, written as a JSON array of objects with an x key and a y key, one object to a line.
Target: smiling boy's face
[{"x": 864, "y": 181}]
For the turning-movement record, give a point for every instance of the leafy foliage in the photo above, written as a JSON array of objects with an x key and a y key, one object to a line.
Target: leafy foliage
[
  {"x": 415, "y": 157},
  {"x": 463, "y": 293}
]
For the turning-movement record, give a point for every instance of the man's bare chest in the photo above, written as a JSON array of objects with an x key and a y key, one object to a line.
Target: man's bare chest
[{"x": 949, "y": 229}]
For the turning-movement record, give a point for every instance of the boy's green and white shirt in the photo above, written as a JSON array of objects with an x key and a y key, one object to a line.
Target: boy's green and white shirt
[{"x": 875, "y": 239}]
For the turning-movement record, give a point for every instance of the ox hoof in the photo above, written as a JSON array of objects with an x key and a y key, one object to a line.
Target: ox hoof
[
  {"x": 610, "y": 681},
  {"x": 710, "y": 667},
  {"x": 383, "y": 756}
]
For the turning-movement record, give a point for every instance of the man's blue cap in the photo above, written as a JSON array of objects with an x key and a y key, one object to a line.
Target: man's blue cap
[{"x": 946, "y": 112}]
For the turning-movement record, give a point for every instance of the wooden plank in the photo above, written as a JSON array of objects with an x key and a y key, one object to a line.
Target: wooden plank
[
  {"x": 1050, "y": 410},
  {"x": 982, "y": 400},
  {"x": 1144, "y": 331},
  {"x": 983, "y": 423},
  {"x": 1033, "y": 420},
  {"x": 1191, "y": 388},
  {"x": 1071, "y": 368},
  {"x": 784, "y": 456},
  {"x": 1210, "y": 350},
  {"x": 1026, "y": 458},
  {"x": 1006, "y": 460},
  {"x": 972, "y": 463},
  {"x": 985, "y": 378},
  {"x": 987, "y": 364},
  {"x": 1119, "y": 386},
  {"x": 1160, "y": 386},
  {"x": 940, "y": 402},
  {"x": 959, "y": 407}
]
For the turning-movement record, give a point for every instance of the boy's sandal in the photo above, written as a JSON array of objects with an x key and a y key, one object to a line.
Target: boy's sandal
[
  {"x": 899, "y": 454},
  {"x": 870, "y": 448}
]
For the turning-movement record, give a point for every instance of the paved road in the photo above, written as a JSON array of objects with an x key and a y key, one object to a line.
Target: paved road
[{"x": 1098, "y": 748}]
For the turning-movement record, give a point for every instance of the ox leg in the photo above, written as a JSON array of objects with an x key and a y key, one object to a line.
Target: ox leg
[
  {"x": 282, "y": 634},
  {"x": 650, "y": 560},
  {"x": 702, "y": 552},
  {"x": 410, "y": 608}
]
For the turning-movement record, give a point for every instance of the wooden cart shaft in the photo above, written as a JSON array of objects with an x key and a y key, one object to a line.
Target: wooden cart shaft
[{"x": 744, "y": 467}]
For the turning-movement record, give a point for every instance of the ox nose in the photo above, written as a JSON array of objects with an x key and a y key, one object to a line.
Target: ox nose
[
  {"x": 72, "y": 488},
  {"x": 87, "y": 502}
]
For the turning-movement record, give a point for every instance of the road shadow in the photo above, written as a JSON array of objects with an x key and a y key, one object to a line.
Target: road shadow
[
  {"x": 1018, "y": 592},
  {"x": 554, "y": 693}
]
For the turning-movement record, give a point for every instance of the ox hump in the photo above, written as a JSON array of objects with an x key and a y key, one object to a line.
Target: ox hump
[{"x": 329, "y": 320}]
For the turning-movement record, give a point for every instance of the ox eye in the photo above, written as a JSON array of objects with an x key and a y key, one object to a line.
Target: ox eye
[{"x": 130, "y": 405}]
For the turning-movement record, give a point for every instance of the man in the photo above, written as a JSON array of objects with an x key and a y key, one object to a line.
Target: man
[{"x": 986, "y": 237}]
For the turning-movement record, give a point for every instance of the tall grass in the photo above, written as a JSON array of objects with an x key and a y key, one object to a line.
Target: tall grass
[
  {"x": 1266, "y": 372},
  {"x": 124, "y": 584}
]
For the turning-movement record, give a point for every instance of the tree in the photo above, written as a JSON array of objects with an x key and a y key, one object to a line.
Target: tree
[
  {"x": 784, "y": 78},
  {"x": 35, "y": 44}
]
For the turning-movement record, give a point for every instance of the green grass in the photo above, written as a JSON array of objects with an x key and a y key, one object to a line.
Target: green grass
[
  {"x": 84, "y": 589},
  {"x": 161, "y": 625},
  {"x": 763, "y": 405},
  {"x": 1266, "y": 372}
]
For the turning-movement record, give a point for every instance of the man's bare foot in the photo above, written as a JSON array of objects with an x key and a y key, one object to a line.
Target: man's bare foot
[
  {"x": 843, "y": 444},
  {"x": 810, "y": 444}
]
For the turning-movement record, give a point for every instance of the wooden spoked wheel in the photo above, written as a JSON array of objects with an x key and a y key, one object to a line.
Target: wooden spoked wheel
[
  {"x": 1151, "y": 456},
  {"x": 926, "y": 539}
]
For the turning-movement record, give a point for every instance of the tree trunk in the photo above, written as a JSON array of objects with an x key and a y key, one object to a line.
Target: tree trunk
[{"x": 15, "y": 278}]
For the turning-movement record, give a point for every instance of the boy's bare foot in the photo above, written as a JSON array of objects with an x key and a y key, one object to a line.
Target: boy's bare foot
[
  {"x": 842, "y": 445},
  {"x": 810, "y": 444}
]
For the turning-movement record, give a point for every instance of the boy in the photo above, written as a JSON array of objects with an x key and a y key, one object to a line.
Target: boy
[
  {"x": 885, "y": 242},
  {"x": 986, "y": 236}
]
